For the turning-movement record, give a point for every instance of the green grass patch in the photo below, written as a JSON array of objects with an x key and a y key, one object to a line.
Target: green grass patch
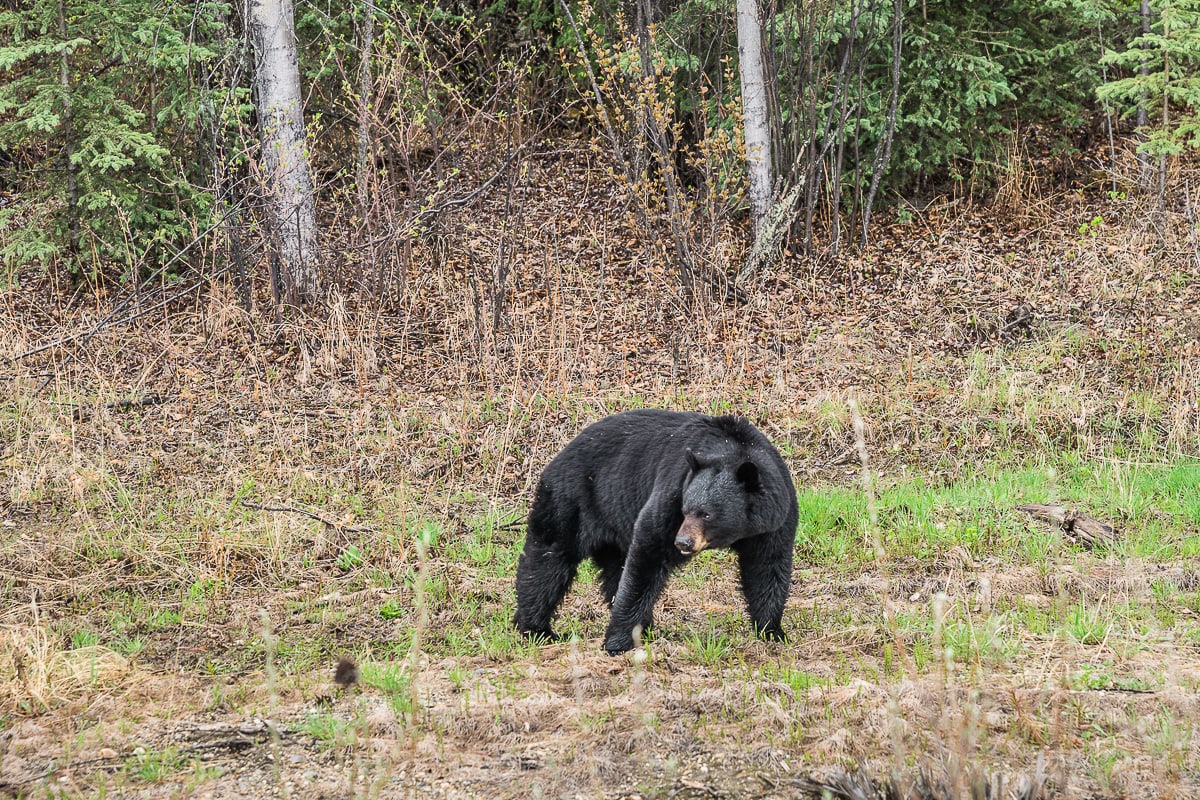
[{"x": 1156, "y": 506}]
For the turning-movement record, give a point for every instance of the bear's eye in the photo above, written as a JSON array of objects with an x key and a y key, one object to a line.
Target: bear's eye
[{"x": 706, "y": 515}]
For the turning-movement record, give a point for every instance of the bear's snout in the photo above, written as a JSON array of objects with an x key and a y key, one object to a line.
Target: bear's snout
[{"x": 691, "y": 538}]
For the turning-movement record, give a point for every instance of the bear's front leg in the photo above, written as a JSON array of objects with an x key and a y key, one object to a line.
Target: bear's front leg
[
  {"x": 765, "y": 563},
  {"x": 641, "y": 584},
  {"x": 648, "y": 564}
]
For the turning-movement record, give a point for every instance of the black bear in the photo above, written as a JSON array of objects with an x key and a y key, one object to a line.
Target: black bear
[{"x": 640, "y": 493}]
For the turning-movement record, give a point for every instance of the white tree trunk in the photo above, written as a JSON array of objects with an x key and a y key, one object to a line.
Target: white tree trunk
[
  {"x": 289, "y": 185},
  {"x": 754, "y": 109}
]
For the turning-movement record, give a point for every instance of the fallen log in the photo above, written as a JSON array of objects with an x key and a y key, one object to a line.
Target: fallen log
[{"x": 1079, "y": 527}]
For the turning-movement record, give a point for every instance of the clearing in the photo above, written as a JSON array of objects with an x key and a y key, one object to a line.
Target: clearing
[{"x": 200, "y": 517}]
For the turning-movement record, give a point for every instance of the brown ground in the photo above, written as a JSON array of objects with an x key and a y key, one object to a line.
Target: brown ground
[{"x": 430, "y": 411}]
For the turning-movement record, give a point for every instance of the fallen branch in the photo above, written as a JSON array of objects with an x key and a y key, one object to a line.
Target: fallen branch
[
  {"x": 348, "y": 597},
  {"x": 311, "y": 515},
  {"x": 232, "y": 737},
  {"x": 1081, "y": 528},
  {"x": 13, "y": 787},
  {"x": 126, "y": 405},
  {"x": 769, "y": 239}
]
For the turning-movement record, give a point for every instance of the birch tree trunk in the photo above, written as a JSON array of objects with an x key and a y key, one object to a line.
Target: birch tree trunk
[
  {"x": 754, "y": 109},
  {"x": 291, "y": 210}
]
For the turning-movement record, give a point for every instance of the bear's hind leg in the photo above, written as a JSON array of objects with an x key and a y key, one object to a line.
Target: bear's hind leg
[
  {"x": 543, "y": 577},
  {"x": 545, "y": 570}
]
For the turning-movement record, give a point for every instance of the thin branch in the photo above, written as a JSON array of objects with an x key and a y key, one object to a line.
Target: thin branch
[
  {"x": 1191, "y": 218},
  {"x": 682, "y": 250},
  {"x": 130, "y": 297},
  {"x": 311, "y": 515},
  {"x": 127, "y": 405},
  {"x": 884, "y": 154}
]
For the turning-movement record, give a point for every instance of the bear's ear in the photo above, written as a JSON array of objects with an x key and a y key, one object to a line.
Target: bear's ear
[
  {"x": 747, "y": 475},
  {"x": 692, "y": 462}
]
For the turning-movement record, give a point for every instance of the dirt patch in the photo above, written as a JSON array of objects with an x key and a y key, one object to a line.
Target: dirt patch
[{"x": 753, "y": 720}]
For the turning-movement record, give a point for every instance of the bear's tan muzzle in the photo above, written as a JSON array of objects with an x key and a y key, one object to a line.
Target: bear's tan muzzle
[{"x": 691, "y": 539}]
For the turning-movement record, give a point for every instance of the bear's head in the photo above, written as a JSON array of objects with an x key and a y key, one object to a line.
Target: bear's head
[{"x": 719, "y": 494}]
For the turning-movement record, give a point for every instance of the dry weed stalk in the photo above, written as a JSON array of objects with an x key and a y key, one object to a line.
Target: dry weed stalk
[
  {"x": 867, "y": 478},
  {"x": 1019, "y": 191},
  {"x": 37, "y": 675},
  {"x": 271, "y": 677}
]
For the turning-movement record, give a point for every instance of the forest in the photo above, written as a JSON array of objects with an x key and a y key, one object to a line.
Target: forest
[{"x": 298, "y": 301}]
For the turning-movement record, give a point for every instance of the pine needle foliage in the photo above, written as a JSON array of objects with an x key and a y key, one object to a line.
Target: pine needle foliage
[
  {"x": 1161, "y": 74},
  {"x": 99, "y": 105}
]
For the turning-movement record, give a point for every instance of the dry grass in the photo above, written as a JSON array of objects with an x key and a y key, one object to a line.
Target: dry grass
[
  {"x": 40, "y": 675},
  {"x": 939, "y": 629}
]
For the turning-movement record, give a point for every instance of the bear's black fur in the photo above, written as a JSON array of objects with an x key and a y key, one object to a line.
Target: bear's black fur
[{"x": 640, "y": 493}]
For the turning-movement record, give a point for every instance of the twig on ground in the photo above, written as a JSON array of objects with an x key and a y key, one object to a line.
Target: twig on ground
[
  {"x": 929, "y": 783},
  {"x": 13, "y": 787},
  {"x": 126, "y": 405},
  {"x": 348, "y": 597},
  {"x": 311, "y": 515}
]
